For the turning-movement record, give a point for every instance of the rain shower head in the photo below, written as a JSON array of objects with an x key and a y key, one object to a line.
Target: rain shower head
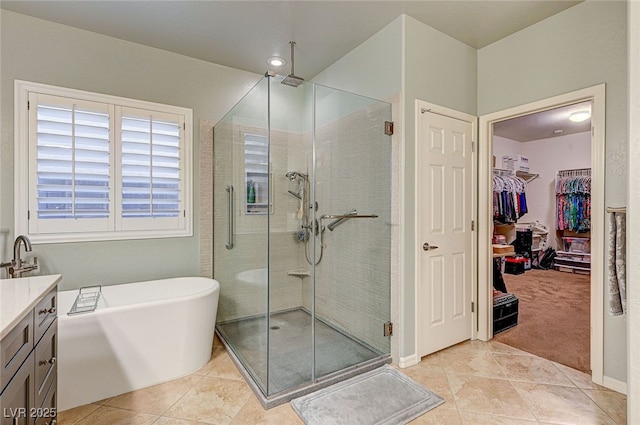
[{"x": 291, "y": 79}]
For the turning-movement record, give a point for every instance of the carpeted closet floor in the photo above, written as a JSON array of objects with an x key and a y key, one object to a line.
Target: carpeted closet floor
[{"x": 553, "y": 320}]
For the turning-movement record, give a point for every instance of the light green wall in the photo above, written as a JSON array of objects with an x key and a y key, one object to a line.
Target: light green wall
[
  {"x": 580, "y": 47},
  {"x": 45, "y": 52},
  {"x": 420, "y": 62},
  {"x": 372, "y": 69},
  {"x": 441, "y": 70}
]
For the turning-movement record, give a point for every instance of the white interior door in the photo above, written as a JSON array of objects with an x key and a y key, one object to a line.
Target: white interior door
[{"x": 445, "y": 213}]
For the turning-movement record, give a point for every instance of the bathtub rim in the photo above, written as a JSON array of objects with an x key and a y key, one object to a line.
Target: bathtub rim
[{"x": 215, "y": 287}]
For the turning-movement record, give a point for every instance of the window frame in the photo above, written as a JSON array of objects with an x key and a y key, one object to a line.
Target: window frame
[{"x": 24, "y": 151}]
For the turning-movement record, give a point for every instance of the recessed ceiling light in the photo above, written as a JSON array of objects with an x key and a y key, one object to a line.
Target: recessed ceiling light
[
  {"x": 580, "y": 116},
  {"x": 276, "y": 61}
]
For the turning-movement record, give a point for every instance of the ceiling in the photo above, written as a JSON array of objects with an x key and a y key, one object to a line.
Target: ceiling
[
  {"x": 243, "y": 34},
  {"x": 544, "y": 125}
]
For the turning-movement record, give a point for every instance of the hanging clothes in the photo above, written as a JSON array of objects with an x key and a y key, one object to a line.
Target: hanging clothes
[
  {"x": 573, "y": 201},
  {"x": 509, "y": 198}
]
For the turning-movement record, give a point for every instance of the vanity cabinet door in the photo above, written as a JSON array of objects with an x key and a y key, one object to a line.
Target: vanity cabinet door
[
  {"x": 47, "y": 413},
  {"x": 46, "y": 362},
  {"x": 17, "y": 399},
  {"x": 14, "y": 348}
]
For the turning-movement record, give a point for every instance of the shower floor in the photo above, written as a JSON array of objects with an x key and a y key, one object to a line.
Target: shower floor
[{"x": 290, "y": 347}]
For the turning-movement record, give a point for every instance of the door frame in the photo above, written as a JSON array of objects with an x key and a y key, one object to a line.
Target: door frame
[
  {"x": 473, "y": 120},
  {"x": 596, "y": 94}
]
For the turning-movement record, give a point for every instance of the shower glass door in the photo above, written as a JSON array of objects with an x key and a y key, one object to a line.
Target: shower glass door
[
  {"x": 290, "y": 341},
  {"x": 352, "y": 191},
  {"x": 241, "y": 232}
]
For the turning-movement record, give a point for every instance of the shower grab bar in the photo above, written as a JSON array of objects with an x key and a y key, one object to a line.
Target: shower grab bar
[
  {"x": 229, "y": 244},
  {"x": 341, "y": 218}
]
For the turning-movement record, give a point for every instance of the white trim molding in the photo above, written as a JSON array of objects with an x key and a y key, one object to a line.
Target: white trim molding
[
  {"x": 596, "y": 94},
  {"x": 408, "y": 361}
]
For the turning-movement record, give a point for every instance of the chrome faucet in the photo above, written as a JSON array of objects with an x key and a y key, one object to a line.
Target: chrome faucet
[
  {"x": 16, "y": 249},
  {"x": 17, "y": 266}
]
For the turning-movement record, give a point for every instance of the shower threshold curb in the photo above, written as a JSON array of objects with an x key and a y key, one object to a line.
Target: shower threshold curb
[{"x": 288, "y": 395}]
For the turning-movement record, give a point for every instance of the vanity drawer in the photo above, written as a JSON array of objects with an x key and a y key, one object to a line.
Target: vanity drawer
[
  {"x": 46, "y": 362},
  {"x": 45, "y": 313},
  {"x": 15, "y": 348}
]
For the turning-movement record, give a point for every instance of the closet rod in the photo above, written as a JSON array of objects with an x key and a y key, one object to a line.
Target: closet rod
[
  {"x": 502, "y": 172},
  {"x": 574, "y": 173},
  {"x": 616, "y": 209}
]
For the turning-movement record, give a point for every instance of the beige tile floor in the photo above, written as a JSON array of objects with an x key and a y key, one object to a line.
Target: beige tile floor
[{"x": 483, "y": 384}]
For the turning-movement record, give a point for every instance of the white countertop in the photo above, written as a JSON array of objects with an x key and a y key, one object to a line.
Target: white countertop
[{"x": 19, "y": 296}]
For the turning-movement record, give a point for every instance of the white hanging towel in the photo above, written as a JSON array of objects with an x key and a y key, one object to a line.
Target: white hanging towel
[{"x": 617, "y": 264}]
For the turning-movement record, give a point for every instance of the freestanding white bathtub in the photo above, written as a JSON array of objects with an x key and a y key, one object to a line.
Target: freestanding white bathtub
[{"x": 141, "y": 334}]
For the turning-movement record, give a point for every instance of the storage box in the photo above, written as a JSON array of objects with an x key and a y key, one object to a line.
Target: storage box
[
  {"x": 514, "y": 265},
  {"x": 508, "y": 162},
  {"x": 505, "y": 312},
  {"x": 576, "y": 244},
  {"x": 515, "y": 162},
  {"x": 508, "y": 230},
  {"x": 503, "y": 249}
]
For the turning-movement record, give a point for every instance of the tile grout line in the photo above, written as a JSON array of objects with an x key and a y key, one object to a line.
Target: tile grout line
[{"x": 598, "y": 405}]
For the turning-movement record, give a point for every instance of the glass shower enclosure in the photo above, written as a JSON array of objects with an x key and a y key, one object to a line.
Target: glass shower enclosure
[{"x": 302, "y": 236}]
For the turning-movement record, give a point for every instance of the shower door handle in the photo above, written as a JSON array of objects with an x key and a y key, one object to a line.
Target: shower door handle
[
  {"x": 229, "y": 244},
  {"x": 348, "y": 216}
]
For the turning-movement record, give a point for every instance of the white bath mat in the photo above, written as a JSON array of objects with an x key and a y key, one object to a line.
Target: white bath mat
[{"x": 383, "y": 396}]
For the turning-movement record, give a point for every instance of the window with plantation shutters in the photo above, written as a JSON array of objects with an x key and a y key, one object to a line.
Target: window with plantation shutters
[
  {"x": 150, "y": 159},
  {"x": 97, "y": 167}
]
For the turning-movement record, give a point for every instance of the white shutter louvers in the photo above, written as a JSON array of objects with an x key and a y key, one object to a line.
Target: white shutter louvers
[
  {"x": 72, "y": 162},
  {"x": 94, "y": 167}
]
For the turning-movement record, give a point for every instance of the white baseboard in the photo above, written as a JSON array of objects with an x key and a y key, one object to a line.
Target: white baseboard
[
  {"x": 408, "y": 361},
  {"x": 614, "y": 384}
]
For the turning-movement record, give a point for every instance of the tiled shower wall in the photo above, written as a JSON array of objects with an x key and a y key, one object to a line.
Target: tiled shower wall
[
  {"x": 353, "y": 170},
  {"x": 242, "y": 269}
]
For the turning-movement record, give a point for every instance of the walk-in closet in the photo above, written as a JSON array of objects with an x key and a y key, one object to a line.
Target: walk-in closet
[{"x": 541, "y": 234}]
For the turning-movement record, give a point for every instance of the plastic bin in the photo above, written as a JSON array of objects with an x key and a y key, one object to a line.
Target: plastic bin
[
  {"x": 505, "y": 312},
  {"x": 572, "y": 244},
  {"x": 514, "y": 265}
]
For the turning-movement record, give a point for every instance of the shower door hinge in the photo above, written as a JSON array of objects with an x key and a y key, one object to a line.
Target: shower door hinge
[
  {"x": 473, "y": 307},
  {"x": 388, "y": 128},
  {"x": 388, "y": 329},
  {"x": 473, "y": 225},
  {"x": 473, "y": 146}
]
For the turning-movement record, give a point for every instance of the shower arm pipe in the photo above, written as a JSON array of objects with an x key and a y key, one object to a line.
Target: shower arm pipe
[{"x": 229, "y": 244}]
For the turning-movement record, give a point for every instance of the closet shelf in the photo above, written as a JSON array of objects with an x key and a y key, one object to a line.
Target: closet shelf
[{"x": 526, "y": 176}]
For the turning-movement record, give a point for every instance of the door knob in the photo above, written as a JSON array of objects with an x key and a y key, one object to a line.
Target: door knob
[{"x": 427, "y": 247}]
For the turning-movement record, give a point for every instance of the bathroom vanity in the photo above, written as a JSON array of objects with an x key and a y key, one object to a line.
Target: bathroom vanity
[{"x": 28, "y": 350}]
